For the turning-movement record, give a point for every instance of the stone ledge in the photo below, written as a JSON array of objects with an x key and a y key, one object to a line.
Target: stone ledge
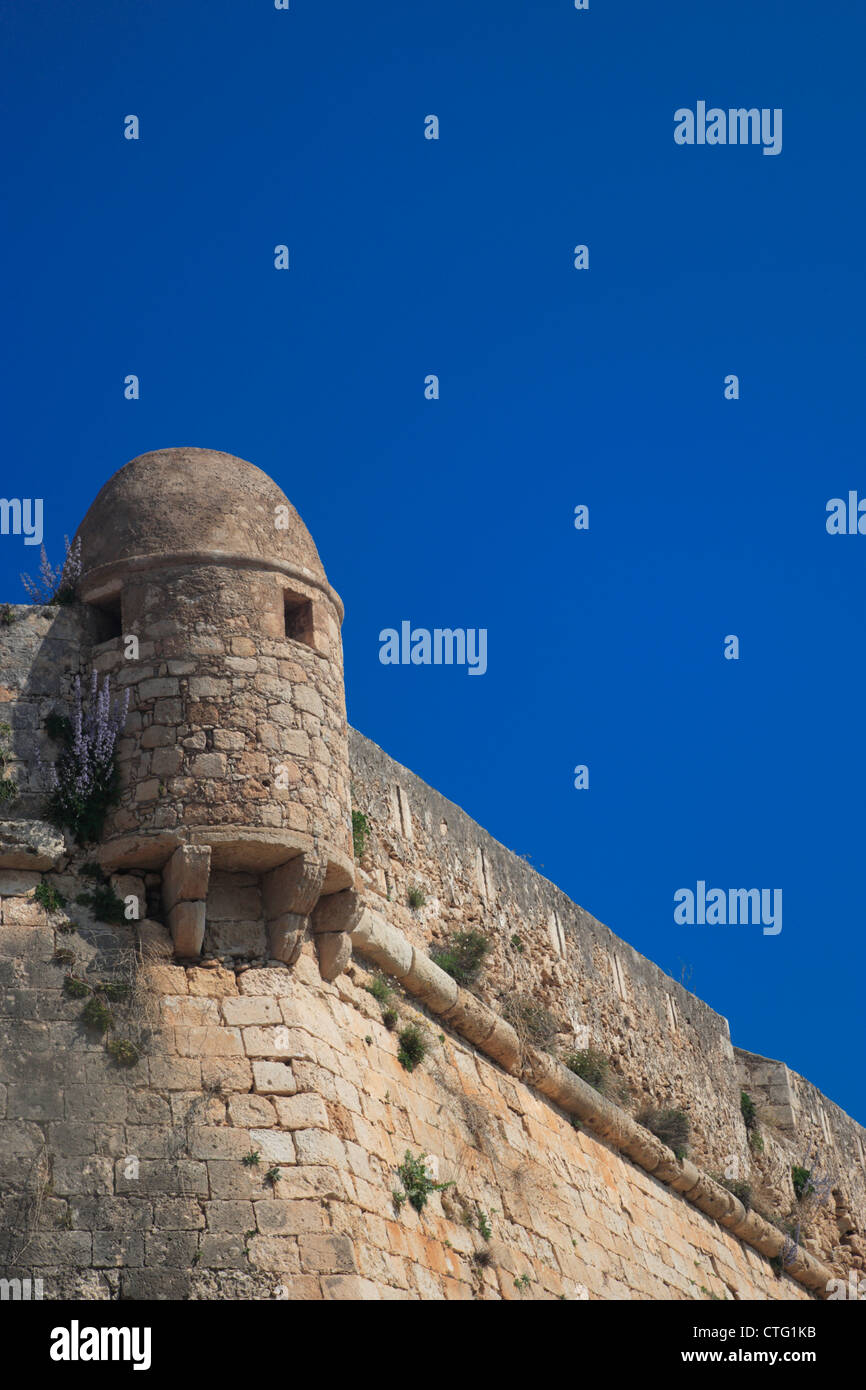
[
  {"x": 31, "y": 844},
  {"x": 383, "y": 944}
]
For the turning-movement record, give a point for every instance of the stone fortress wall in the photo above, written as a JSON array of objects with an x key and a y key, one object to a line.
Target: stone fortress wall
[
  {"x": 251, "y": 1149},
  {"x": 133, "y": 1184},
  {"x": 670, "y": 1047}
]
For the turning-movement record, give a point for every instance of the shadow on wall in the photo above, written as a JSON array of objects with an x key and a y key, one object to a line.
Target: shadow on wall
[{"x": 42, "y": 649}]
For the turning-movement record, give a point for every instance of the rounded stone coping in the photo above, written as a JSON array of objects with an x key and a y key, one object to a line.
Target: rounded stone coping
[
  {"x": 105, "y": 581},
  {"x": 243, "y": 848},
  {"x": 376, "y": 939},
  {"x": 186, "y": 498}
]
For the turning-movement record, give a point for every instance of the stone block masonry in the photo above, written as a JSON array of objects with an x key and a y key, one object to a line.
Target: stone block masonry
[
  {"x": 141, "y": 1182},
  {"x": 668, "y": 1046}
]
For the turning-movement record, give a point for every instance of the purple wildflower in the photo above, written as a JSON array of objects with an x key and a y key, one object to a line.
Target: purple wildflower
[
  {"x": 83, "y": 784},
  {"x": 55, "y": 584}
]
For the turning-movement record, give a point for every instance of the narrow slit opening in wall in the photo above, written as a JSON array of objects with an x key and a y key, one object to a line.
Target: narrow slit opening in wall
[
  {"x": 299, "y": 618},
  {"x": 109, "y": 622}
]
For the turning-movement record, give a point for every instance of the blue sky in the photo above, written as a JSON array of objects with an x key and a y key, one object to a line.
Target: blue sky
[{"x": 558, "y": 387}]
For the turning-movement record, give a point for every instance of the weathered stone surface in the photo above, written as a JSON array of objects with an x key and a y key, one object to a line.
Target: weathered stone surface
[
  {"x": 274, "y": 1078},
  {"x": 687, "y": 1178},
  {"x": 503, "y": 1045},
  {"x": 257, "y": 1009},
  {"x": 289, "y": 1218},
  {"x": 31, "y": 844},
  {"x": 430, "y": 984},
  {"x": 338, "y": 912},
  {"x": 285, "y": 936},
  {"x": 16, "y": 882},
  {"x": 186, "y": 922},
  {"x": 293, "y": 888},
  {"x": 155, "y": 940},
  {"x": 327, "y": 1254},
  {"x": 185, "y": 876},
  {"x": 275, "y": 1147},
  {"x": 302, "y": 1112},
  {"x": 471, "y": 1018},
  {"x": 246, "y": 1111},
  {"x": 379, "y": 942},
  {"x": 334, "y": 951},
  {"x": 338, "y": 1288}
]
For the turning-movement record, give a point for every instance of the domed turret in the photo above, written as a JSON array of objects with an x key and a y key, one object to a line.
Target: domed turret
[
  {"x": 236, "y": 739},
  {"x": 194, "y": 501}
]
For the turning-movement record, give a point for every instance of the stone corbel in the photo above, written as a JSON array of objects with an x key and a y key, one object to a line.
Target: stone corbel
[
  {"x": 185, "y": 881},
  {"x": 334, "y": 919},
  {"x": 289, "y": 894}
]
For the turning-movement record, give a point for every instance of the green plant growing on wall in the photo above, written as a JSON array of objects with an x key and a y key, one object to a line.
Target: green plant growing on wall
[
  {"x": 737, "y": 1187},
  {"x": 671, "y": 1126},
  {"x": 102, "y": 900},
  {"x": 463, "y": 957},
  {"x": 75, "y": 988},
  {"x": 115, "y": 990},
  {"x": 413, "y": 1047},
  {"x": 522, "y": 1283},
  {"x": 360, "y": 831},
  {"x": 415, "y": 897},
  {"x": 252, "y": 1159},
  {"x": 417, "y": 1183},
  {"x": 380, "y": 989},
  {"x": 139, "y": 1014},
  {"x": 48, "y": 897},
  {"x": 8, "y": 786},
  {"x": 97, "y": 1015},
  {"x": 517, "y": 944},
  {"x": 592, "y": 1067},
  {"x": 484, "y": 1227},
  {"x": 748, "y": 1110},
  {"x": 7, "y": 617},
  {"x": 800, "y": 1178},
  {"x": 532, "y": 1022},
  {"x": 124, "y": 1052},
  {"x": 273, "y": 1176}
]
